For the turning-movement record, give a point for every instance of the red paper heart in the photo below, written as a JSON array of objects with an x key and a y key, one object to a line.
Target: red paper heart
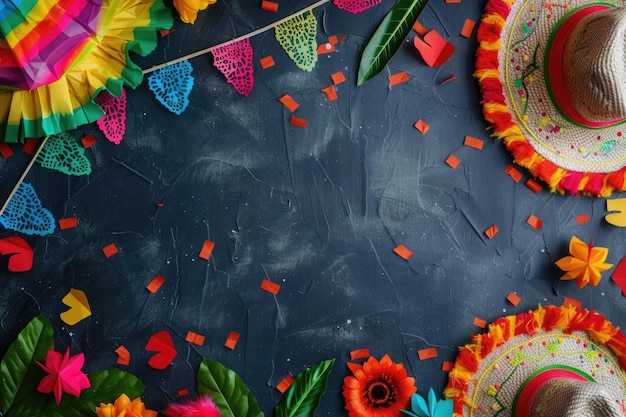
[
  {"x": 619, "y": 275},
  {"x": 161, "y": 342},
  {"x": 21, "y": 259},
  {"x": 434, "y": 49}
]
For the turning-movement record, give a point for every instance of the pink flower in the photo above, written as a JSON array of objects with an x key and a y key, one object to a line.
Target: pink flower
[
  {"x": 64, "y": 374},
  {"x": 202, "y": 407}
]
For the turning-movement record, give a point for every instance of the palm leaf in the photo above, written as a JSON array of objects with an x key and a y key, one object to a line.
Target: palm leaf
[
  {"x": 387, "y": 39},
  {"x": 303, "y": 396},
  {"x": 227, "y": 390}
]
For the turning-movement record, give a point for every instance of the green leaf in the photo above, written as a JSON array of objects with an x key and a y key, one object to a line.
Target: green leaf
[
  {"x": 18, "y": 372},
  {"x": 227, "y": 390},
  {"x": 387, "y": 39},
  {"x": 106, "y": 387},
  {"x": 303, "y": 396}
]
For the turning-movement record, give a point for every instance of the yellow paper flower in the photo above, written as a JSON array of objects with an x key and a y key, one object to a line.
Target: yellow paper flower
[
  {"x": 585, "y": 263},
  {"x": 124, "y": 407},
  {"x": 188, "y": 9}
]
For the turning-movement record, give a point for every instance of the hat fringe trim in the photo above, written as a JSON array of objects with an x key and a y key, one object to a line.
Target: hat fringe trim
[
  {"x": 496, "y": 112},
  {"x": 567, "y": 319}
]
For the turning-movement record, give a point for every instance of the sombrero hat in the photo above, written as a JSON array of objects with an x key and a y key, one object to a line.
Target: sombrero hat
[
  {"x": 552, "y": 75},
  {"x": 550, "y": 362}
]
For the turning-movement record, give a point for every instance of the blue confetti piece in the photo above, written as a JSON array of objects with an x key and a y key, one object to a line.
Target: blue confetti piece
[
  {"x": 25, "y": 214},
  {"x": 172, "y": 85}
]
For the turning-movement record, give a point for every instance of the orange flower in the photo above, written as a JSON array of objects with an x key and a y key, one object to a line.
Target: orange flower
[
  {"x": 378, "y": 388},
  {"x": 188, "y": 9},
  {"x": 585, "y": 263},
  {"x": 124, "y": 407}
]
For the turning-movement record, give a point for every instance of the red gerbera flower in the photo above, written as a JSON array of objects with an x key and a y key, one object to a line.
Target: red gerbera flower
[{"x": 378, "y": 388}]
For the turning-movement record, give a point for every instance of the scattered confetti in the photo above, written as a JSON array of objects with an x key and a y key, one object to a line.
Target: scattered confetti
[
  {"x": 231, "y": 340},
  {"x": 267, "y": 62},
  {"x": 331, "y": 93},
  {"x": 453, "y": 161},
  {"x": 468, "y": 28},
  {"x": 338, "y": 77},
  {"x": 284, "y": 384},
  {"x": 78, "y": 305},
  {"x": 270, "y": 286},
  {"x": 583, "y": 218},
  {"x": 359, "y": 354},
  {"x": 88, "y": 141},
  {"x": 534, "y": 222},
  {"x": 422, "y": 126},
  {"x": 333, "y": 39},
  {"x": 473, "y": 142},
  {"x": 447, "y": 366},
  {"x": 491, "y": 231},
  {"x": 207, "y": 250},
  {"x": 155, "y": 284},
  {"x": 195, "y": 338},
  {"x": 110, "y": 250},
  {"x": 513, "y": 299},
  {"x": 478, "y": 322},
  {"x": 572, "y": 302},
  {"x": 534, "y": 186},
  {"x": 289, "y": 102},
  {"x": 452, "y": 1},
  {"x": 419, "y": 28},
  {"x": 123, "y": 356},
  {"x": 325, "y": 48},
  {"x": 403, "y": 252},
  {"x": 5, "y": 150},
  {"x": 165, "y": 32},
  {"x": 452, "y": 77},
  {"x": 183, "y": 392},
  {"x": 269, "y": 6},
  {"x": 514, "y": 173},
  {"x": 427, "y": 353},
  {"x": 161, "y": 343},
  {"x": 297, "y": 121},
  {"x": 400, "y": 77},
  {"x": 29, "y": 146}
]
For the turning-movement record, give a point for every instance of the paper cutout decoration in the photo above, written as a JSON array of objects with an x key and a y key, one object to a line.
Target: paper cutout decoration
[
  {"x": 235, "y": 61},
  {"x": 355, "y": 6},
  {"x": 21, "y": 259},
  {"x": 161, "y": 342},
  {"x": 123, "y": 355},
  {"x": 431, "y": 408},
  {"x": 188, "y": 9},
  {"x": 79, "y": 310},
  {"x": 434, "y": 49},
  {"x": 619, "y": 275},
  {"x": 172, "y": 85},
  {"x": 617, "y": 205},
  {"x": 297, "y": 37},
  {"x": 584, "y": 264},
  {"x": 25, "y": 214},
  {"x": 62, "y": 153},
  {"x": 64, "y": 374},
  {"x": 113, "y": 123}
]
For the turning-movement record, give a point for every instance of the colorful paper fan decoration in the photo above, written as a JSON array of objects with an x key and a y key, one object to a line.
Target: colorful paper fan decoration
[
  {"x": 188, "y": 9},
  {"x": 57, "y": 55},
  {"x": 24, "y": 213},
  {"x": 172, "y": 85},
  {"x": 297, "y": 37},
  {"x": 235, "y": 62},
  {"x": 62, "y": 153},
  {"x": 113, "y": 123},
  {"x": 355, "y": 6}
]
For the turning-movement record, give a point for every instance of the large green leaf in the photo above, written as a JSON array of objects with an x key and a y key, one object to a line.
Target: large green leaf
[
  {"x": 227, "y": 390},
  {"x": 387, "y": 39},
  {"x": 19, "y": 375},
  {"x": 106, "y": 387},
  {"x": 303, "y": 396}
]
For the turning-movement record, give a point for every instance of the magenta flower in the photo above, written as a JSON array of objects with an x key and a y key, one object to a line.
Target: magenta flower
[{"x": 64, "y": 374}]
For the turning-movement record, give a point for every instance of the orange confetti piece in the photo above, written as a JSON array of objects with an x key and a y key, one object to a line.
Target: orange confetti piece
[
  {"x": 289, "y": 102},
  {"x": 422, "y": 126},
  {"x": 453, "y": 161},
  {"x": 359, "y": 354},
  {"x": 297, "y": 121},
  {"x": 452, "y": 1},
  {"x": 534, "y": 222},
  {"x": 572, "y": 302},
  {"x": 88, "y": 141},
  {"x": 338, "y": 77},
  {"x": 473, "y": 142},
  {"x": 123, "y": 355},
  {"x": 284, "y": 384},
  {"x": 325, "y": 48},
  {"x": 195, "y": 338},
  {"x": 267, "y": 62},
  {"x": 478, "y": 322},
  {"x": 333, "y": 39},
  {"x": 419, "y": 28},
  {"x": 165, "y": 32},
  {"x": 491, "y": 231},
  {"x": 155, "y": 284},
  {"x": 447, "y": 366},
  {"x": 331, "y": 93},
  {"x": 68, "y": 223},
  {"x": 29, "y": 146},
  {"x": 269, "y": 6},
  {"x": 403, "y": 252},
  {"x": 513, "y": 299},
  {"x": 514, "y": 173},
  {"x": 452, "y": 77},
  {"x": 5, "y": 150},
  {"x": 534, "y": 186},
  {"x": 270, "y": 286},
  {"x": 183, "y": 392},
  {"x": 583, "y": 218},
  {"x": 468, "y": 28},
  {"x": 231, "y": 340},
  {"x": 207, "y": 250},
  {"x": 427, "y": 353},
  {"x": 395, "y": 79},
  {"x": 109, "y": 250}
]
